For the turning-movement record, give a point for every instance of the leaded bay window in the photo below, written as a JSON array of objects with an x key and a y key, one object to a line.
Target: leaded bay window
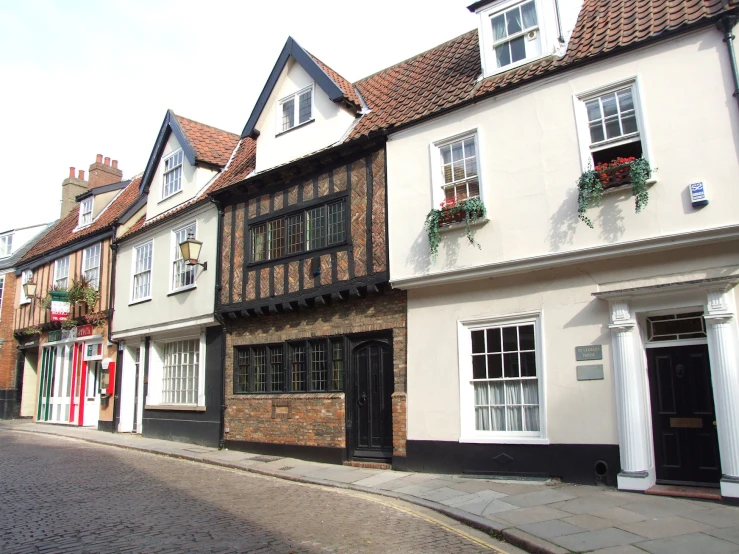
[
  {"x": 459, "y": 169},
  {"x": 516, "y": 35},
  {"x": 313, "y": 229},
  {"x": 613, "y": 126},
  {"x": 505, "y": 379},
  {"x": 181, "y": 371},
  {"x": 295, "y": 366},
  {"x": 183, "y": 275},
  {"x": 172, "y": 178},
  {"x": 91, "y": 265},
  {"x": 296, "y": 109},
  {"x": 142, "y": 271},
  {"x": 61, "y": 273}
]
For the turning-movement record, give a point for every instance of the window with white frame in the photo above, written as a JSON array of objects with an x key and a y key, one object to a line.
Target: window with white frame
[
  {"x": 91, "y": 265},
  {"x": 6, "y": 245},
  {"x": 516, "y": 35},
  {"x": 142, "y": 271},
  {"x": 613, "y": 125},
  {"x": 86, "y": 212},
  {"x": 26, "y": 276},
  {"x": 295, "y": 109},
  {"x": 172, "y": 177},
  {"x": 459, "y": 171},
  {"x": 181, "y": 372},
  {"x": 61, "y": 273},
  {"x": 501, "y": 379},
  {"x": 183, "y": 275}
]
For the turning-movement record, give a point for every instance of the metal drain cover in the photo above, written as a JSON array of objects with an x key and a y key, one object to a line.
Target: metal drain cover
[{"x": 265, "y": 458}]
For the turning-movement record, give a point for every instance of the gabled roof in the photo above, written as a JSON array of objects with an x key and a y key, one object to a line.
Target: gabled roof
[
  {"x": 62, "y": 233},
  {"x": 334, "y": 85},
  {"x": 447, "y": 77},
  {"x": 201, "y": 144},
  {"x": 13, "y": 260}
]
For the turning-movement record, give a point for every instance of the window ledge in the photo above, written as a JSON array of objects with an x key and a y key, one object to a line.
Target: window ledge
[
  {"x": 461, "y": 225},
  {"x": 175, "y": 407},
  {"x": 504, "y": 440},
  {"x": 140, "y": 301},
  {"x": 183, "y": 289},
  {"x": 170, "y": 196},
  {"x": 626, "y": 187},
  {"x": 298, "y": 126}
]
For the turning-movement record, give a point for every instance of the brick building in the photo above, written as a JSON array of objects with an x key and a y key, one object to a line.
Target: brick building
[{"x": 13, "y": 246}]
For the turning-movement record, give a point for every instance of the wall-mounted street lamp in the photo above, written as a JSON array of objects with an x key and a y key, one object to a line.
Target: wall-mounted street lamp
[
  {"x": 29, "y": 289},
  {"x": 190, "y": 250}
]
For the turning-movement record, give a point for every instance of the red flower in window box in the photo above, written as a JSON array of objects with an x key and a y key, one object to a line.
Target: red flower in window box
[{"x": 614, "y": 173}]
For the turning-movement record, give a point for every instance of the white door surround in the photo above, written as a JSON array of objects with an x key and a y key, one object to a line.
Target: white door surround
[{"x": 631, "y": 382}]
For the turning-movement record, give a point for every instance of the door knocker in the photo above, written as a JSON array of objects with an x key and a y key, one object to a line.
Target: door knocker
[
  {"x": 680, "y": 371},
  {"x": 362, "y": 400}
]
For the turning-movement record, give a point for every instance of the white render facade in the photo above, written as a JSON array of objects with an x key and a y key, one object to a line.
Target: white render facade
[{"x": 552, "y": 285}]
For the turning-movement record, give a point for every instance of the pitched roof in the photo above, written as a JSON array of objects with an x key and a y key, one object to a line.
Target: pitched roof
[
  {"x": 448, "y": 76},
  {"x": 62, "y": 233},
  {"x": 350, "y": 93},
  {"x": 212, "y": 146},
  {"x": 13, "y": 260}
]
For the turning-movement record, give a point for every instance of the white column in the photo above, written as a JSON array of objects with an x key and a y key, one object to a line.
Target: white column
[
  {"x": 632, "y": 410},
  {"x": 722, "y": 351}
]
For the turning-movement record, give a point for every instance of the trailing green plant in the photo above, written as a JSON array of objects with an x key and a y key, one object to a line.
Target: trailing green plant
[
  {"x": 82, "y": 290},
  {"x": 96, "y": 318},
  {"x": 31, "y": 331},
  {"x": 450, "y": 211},
  {"x": 69, "y": 323},
  {"x": 593, "y": 182}
]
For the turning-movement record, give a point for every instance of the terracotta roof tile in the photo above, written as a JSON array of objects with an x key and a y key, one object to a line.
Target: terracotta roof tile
[
  {"x": 346, "y": 87},
  {"x": 63, "y": 232},
  {"x": 242, "y": 164},
  {"x": 212, "y": 146}
]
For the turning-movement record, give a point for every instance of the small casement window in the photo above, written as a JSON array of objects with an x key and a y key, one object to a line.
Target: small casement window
[
  {"x": 676, "y": 327},
  {"x": 304, "y": 366},
  {"x": 313, "y": 229},
  {"x": 516, "y": 35},
  {"x": 459, "y": 169},
  {"x": 61, "y": 273},
  {"x": 142, "y": 271},
  {"x": 613, "y": 126},
  {"x": 86, "y": 212},
  {"x": 172, "y": 178},
  {"x": 6, "y": 245},
  {"x": 505, "y": 379},
  {"x": 26, "y": 276},
  {"x": 295, "y": 109},
  {"x": 183, "y": 275},
  {"x": 91, "y": 265},
  {"x": 180, "y": 372}
]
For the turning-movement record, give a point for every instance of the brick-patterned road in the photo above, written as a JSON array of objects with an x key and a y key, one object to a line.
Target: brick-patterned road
[{"x": 59, "y": 496}]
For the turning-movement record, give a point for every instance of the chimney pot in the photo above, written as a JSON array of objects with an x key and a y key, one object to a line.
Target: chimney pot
[
  {"x": 71, "y": 172},
  {"x": 107, "y": 160},
  {"x": 99, "y": 159},
  {"x": 82, "y": 174},
  {"x": 115, "y": 164}
]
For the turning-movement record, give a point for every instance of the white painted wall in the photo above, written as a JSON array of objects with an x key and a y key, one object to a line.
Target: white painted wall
[
  {"x": 530, "y": 161},
  {"x": 165, "y": 309},
  {"x": 331, "y": 122},
  {"x": 194, "y": 179}
]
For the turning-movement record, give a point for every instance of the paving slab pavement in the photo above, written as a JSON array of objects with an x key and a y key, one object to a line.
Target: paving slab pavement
[{"x": 543, "y": 517}]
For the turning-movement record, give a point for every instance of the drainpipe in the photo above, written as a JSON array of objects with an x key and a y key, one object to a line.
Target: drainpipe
[
  {"x": 561, "y": 37},
  {"x": 726, "y": 25},
  {"x": 219, "y": 317},
  {"x": 111, "y": 303}
]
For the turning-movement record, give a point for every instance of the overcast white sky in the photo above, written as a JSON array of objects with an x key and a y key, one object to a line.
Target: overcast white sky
[{"x": 82, "y": 77}]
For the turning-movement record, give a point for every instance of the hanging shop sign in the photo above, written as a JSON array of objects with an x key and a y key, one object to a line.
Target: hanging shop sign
[
  {"x": 84, "y": 331},
  {"x": 59, "y": 306}
]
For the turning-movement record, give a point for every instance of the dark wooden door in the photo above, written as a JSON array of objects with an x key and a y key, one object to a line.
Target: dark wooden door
[
  {"x": 683, "y": 415},
  {"x": 373, "y": 389}
]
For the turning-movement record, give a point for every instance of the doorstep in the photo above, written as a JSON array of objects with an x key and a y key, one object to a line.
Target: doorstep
[{"x": 682, "y": 491}]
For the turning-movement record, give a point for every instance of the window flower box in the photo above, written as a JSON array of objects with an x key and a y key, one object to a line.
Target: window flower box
[
  {"x": 619, "y": 172},
  {"x": 452, "y": 211}
]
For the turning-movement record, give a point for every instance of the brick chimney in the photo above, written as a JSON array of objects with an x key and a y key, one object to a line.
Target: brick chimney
[
  {"x": 72, "y": 186},
  {"x": 104, "y": 172}
]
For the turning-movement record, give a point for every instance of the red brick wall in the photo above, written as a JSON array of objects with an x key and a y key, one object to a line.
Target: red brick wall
[
  {"x": 313, "y": 419},
  {"x": 8, "y": 352}
]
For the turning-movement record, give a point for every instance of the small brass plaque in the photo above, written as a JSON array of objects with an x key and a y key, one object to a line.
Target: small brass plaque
[
  {"x": 687, "y": 422},
  {"x": 281, "y": 410}
]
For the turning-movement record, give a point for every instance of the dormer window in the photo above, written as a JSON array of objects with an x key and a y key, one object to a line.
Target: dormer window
[
  {"x": 516, "y": 34},
  {"x": 295, "y": 110},
  {"x": 172, "y": 178},
  {"x": 6, "y": 245},
  {"x": 86, "y": 212}
]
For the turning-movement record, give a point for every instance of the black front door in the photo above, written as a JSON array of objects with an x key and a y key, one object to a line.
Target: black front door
[
  {"x": 683, "y": 416},
  {"x": 373, "y": 389}
]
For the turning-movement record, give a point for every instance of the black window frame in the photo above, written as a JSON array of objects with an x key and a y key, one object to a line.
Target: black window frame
[
  {"x": 303, "y": 214},
  {"x": 334, "y": 375}
]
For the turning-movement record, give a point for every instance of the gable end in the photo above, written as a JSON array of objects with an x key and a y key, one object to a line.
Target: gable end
[{"x": 169, "y": 125}]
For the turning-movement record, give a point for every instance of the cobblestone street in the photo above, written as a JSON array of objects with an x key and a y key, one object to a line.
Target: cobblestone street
[{"x": 61, "y": 495}]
